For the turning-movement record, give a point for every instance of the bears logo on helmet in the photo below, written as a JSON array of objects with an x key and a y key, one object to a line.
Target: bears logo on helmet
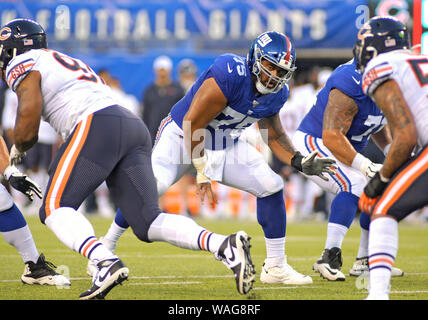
[
  {"x": 379, "y": 35},
  {"x": 19, "y": 36}
]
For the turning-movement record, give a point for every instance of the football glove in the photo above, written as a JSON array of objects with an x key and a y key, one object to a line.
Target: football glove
[
  {"x": 313, "y": 165},
  {"x": 22, "y": 183},
  {"x": 367, "y": 167},
  {"x": 372, "y": 192},
  {"x": 15, "y": 156}
]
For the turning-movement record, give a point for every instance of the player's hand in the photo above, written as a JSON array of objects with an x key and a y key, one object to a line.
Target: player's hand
[
  {"x": 15, "y": 156},
  {"x": 22, "y": 182},
  {"x": 366, "y": 166},
  {"x": 312, "y": 164},
  {"x": 365, "y": 204},
  {"x": 372, "y": 168},
  {"x": 204, "y": 189},
  {"x": 372, "y": 192}
]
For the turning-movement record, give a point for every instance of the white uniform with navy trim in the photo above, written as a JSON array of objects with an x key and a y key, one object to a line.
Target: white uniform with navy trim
[
  {"x": 71, "y": 90},
  {"x": 411, "y": 77}
]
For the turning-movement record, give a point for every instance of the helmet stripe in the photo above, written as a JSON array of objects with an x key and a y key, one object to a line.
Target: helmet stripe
[{"x": 287, "y": 57}]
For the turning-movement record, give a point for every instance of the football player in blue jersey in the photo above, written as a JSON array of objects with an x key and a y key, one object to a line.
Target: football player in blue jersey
[
  {"x": 203, "y": 129},
  {"x": 15, "y": 230},
  {"x": 338, "y": 126}
]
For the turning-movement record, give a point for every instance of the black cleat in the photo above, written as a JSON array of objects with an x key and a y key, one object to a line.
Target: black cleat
[
  {"x": 43, "y": 273},
  {"x": 329, "y": 265},
  {"x": 111, "y": 272},
  {"x": 235, "y": 254}
]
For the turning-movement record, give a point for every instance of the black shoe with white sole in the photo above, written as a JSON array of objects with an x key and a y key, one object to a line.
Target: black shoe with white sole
[
  {"x": 43, "y": 272},
  {"x": 111, "y": 272},
  {"x": 329, "y": 265},
  {"x": 235, "y": 254}
]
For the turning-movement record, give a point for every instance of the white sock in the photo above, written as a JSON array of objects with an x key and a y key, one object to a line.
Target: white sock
[
  {"x": 112, "y": 236},
  {"x": 23, "y": 242},
  {"x": 383, "y": 247},
  {"x": 275, "y": 251},
  {"x": 335, "y": 235},
  {"x": 77, "y": 233},
  {"x": 363, "y": 250},
  {"x": 183, "y": 232}
]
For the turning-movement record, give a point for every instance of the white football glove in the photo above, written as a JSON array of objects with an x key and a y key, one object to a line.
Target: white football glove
[
  {"x": 15, "y": 156},
  {"x": 367, "y": 167},
  {"x": 22, "y": 182}
]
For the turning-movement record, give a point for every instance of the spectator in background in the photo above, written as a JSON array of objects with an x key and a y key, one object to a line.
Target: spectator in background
[
  {"x": 160, "y": 96},
  {"x": 38, "y": 159},
  {"x": 126, "y": 100},
  {"x": 187, "y": 72}
]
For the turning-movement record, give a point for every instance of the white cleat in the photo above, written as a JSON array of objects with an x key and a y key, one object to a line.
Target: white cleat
[
  {"x": 283, "y": 273},
  {"x": 111, "y": 272},
  {"x": 235, "y": 254},
  {"x": 361, "y": 266}
]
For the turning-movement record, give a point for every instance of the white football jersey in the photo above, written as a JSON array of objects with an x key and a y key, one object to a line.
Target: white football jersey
[
  {"x": 294, "y": 110},
  {"x": 410, "y": 71},
  {"x": 71, "y": 89}
]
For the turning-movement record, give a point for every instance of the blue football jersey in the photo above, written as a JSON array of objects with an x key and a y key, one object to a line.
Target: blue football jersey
[
  {"x": 244, "y": 106},
  {"x": 368, "y": 120}
]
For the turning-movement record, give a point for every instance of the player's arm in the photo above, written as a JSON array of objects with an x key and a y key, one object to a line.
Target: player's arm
[
  {"x": 338, "y": 117},
  {"x": 283, "y": 149},
  {"x": 278, "y": 141},
  {"x": 208, "y": 101},
  {"x": 390, "y": 101},
  {"x": 30, "y": 102},
  {"x": 383, "y": 139}
]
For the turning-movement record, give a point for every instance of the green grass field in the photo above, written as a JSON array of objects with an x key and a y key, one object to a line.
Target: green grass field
[{"x": 159, "y": 271}]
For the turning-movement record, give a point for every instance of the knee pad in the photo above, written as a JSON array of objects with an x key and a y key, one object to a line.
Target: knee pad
[{"x": 268, "y": 184}]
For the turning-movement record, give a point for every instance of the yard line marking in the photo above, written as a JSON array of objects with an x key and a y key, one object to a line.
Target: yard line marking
[
  {"x": 292, "y": 287},
  {"x": 416, "y": 291},
  {"x": 162, "y": 283}
]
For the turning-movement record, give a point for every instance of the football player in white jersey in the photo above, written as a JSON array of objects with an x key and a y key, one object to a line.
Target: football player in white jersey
[
  {"x": 397, "y": 80},
  {"x": 103, "y": 142}
]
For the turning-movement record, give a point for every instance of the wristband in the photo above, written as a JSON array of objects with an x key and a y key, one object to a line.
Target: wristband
[
  {"x": 296, "y": 161},
  {"x": 199, "y": 164},
  {"x": 360, "y": 163},
  {"x": 386, "y": 149},
  {"x": 383, "y": 179},
  {"x": 9, "y": 171}
]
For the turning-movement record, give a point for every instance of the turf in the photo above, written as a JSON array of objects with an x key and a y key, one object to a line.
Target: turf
[{"x": 159, "y": 271}]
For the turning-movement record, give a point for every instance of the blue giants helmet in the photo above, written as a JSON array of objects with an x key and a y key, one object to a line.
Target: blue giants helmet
[
  {"x": 277, "y": 49},
  {"x": 19, "y": 36},
  {"x": 379, "y": 35}
]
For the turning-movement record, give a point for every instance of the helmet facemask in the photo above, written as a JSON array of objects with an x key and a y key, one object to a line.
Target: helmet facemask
[{"x": 283, "y": 75}]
